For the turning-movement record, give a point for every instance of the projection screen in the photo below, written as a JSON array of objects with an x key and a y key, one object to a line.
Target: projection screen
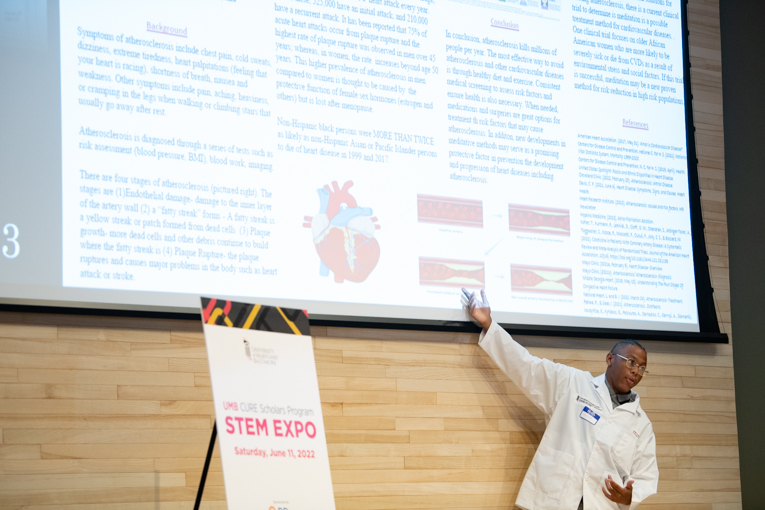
[{"x": 357, "y": 158}]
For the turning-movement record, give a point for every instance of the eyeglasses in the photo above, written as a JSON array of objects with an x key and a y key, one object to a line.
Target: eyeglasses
[{"x": 631, "y": 363}]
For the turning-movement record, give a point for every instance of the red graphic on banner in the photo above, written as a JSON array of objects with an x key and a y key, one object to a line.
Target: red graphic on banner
[
  {"x": 540, "y": 220},
  {"x": 343, "y": 234},
  {"x": 451, "y": 273},
  {"x": 449, "y": 211},
  {"x": 545, "y": 280}
]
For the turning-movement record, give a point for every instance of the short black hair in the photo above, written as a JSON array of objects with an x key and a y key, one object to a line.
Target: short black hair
[{"x": 624, "y": 343}]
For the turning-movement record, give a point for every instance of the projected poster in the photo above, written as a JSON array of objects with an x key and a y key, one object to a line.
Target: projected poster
[{"x": 372, "y": 157}]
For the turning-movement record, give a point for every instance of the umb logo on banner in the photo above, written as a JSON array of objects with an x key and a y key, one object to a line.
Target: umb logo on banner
[{"x": 267, "y": 407}]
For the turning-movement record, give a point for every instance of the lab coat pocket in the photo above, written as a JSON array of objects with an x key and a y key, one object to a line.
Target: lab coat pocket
[
  {"x": 624, "y": 452},
  {"x": 551, "y": 470}
]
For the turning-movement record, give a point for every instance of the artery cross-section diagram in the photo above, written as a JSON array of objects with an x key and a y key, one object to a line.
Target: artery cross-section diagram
[
  {"x": 540, "y": 220},
  {"x": 452, "y": 273},
  {"x": 450, "y": 211},
  {"x": 544, "y": 280}
]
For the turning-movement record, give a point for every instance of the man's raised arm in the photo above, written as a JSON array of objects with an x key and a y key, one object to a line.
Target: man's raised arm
[{"x": 542, "y": 380}]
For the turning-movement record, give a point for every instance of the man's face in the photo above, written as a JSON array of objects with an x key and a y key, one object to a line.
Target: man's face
[{"x": 621, "y": 378}]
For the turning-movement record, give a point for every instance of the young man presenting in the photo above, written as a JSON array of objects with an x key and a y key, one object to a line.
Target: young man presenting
[{"x": 598, "y": 451}]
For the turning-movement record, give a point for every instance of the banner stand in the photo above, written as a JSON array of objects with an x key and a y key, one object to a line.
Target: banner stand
[
  {"x": 268, "y": 414},
  {"x": 202, "y": 481}
]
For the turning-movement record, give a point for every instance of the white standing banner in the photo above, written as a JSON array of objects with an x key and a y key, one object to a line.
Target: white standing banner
[{"x": 267, "y": 407}]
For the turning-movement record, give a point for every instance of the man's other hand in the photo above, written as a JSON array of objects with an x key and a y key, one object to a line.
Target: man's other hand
[
  {"x": 616, "y": 493},
  {"x": 478, "y": 308}
]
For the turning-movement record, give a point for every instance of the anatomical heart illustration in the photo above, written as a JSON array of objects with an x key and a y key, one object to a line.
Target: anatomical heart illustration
[{"x": 343, "y": 234}]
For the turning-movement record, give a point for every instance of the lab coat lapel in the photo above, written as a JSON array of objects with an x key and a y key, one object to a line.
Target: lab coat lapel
[{"x": 600, "y": 387}]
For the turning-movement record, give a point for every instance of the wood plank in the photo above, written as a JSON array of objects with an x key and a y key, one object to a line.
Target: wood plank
[
  {"x": 56, "y": 361},
  {"x": 148, "y": 505},
  {"x": 412, "y": 476},
  {"x": 716, "y": 383},
  {"x": 36, "y": 482},
  {"x": 171, "y": 350},
  {"x": 701, "y": 474},
  {"x": 76, "y": 466},
  {"x": 697, "y": 439},
  {"x": 485, "y": 462},
  {"x": 421, "y": 502},
  {"x": 518, "y": 412},
  {"x": 104, "y": 422},
  {"x": 452, "y": 374},
  {"x": 688, "y": 417},
  {"x": 188, "y": 337},
  {"x": 697, "y": 451},
  {"x": 202, "y": 380},
  {"x": 482, "y": 399},
  {"x": 185, "y": 407},
  {"x": 412, "y": 411},
  {"x": 352, "y": 423},
  {"x": 9, "y": 375},
  {"x": 349, "y": 370},
  {"x": 58, "y": 346},
  {"x": 116, "y": 377},
  {"x": 171, "y": 465},
  {"x": 419, "y": 423},
  {"x": 350, "y": 344},
  {"x": 452, "y": 386},
  {"x": 462, "y": 437},
  {"x": 365, "y": 463},
  {"x": 143, "y": 325},
  {"x": 688, "y": 393},
  {"x": 714, "y": 371},
  {"x": 367, "y": 436},
  {"x": 392, "y": 334},
  {"x": 114, "y": 335},
  {"x": 124, "y": 451},
  {"x": 431, "y": 360},
  {"x": 328, "y": 356},
  {"x": 19, "y": 452},
  {"x": 165, "y": 393},
  {"x": 106, "y": 495},
  {"x": 398, "y": 450},
  {"x": 111, "y": 436},
  {"x": 65, "y": 391},
  {"x": 679, "y": 404},
  {"x": 470, "y": 424},
  {"x": 696, "y": 428},
  {"x": 192, "y": 365},
  {"x": 356, "y": 383},
  {"x": 10, "y": 330},
  {"x": 55, "y": 406},
  {"x": 378, "y": 397},
  {"x": 503, "y": 450}
]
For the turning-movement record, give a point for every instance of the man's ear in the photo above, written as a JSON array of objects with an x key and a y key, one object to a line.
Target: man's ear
[{"x": 609, "y": 358}]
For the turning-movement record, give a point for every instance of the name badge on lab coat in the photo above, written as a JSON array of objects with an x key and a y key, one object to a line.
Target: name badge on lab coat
[{"x": 589, "y": 416}]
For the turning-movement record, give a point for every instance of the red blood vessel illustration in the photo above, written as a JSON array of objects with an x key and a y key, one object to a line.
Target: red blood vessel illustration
[
  {"x": 451, "y": 273},
  {"x": 343, "y": 234},
  {"x": 449, "y": 211},
  {"x": 540, "y": 220},
  {"x": 545, "y": 280}
]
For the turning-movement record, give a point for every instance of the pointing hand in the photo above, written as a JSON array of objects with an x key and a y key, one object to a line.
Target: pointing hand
[{"x": 479, "y": 308}]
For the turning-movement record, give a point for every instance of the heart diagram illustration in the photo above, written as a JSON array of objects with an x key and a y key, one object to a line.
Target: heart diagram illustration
[{"x": 343, "y": 234}]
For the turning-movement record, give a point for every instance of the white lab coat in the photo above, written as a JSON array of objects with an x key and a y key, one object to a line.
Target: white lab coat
[{"x": 586, "y": 439}]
